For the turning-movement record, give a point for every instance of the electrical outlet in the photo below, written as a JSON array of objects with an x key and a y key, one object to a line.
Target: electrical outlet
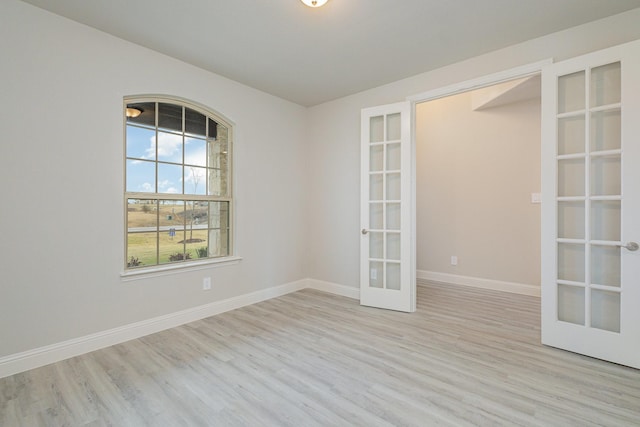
[
  {"x": 206, "y": 284},
  {"x": 374, "y": 274},
  {"x": 454, "y": 260}
]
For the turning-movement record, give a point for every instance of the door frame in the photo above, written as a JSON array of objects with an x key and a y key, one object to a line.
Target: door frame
[{"x": 523, "y": 71}]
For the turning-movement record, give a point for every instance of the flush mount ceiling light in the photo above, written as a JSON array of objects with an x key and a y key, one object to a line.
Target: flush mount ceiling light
[
  {"x": 133, "y": 112},
  {"x": 314, "y": 3}
]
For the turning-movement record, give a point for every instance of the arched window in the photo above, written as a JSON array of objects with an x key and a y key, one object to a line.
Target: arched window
[{"x": 178, "y": 194}]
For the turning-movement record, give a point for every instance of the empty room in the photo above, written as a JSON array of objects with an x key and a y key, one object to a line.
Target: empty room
[{"x": 249, "y": 213}]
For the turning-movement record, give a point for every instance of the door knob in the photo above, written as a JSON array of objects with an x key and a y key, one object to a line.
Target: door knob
[
  {"x": 364, "y": 231},
  {"x": 631, "y": 246}
]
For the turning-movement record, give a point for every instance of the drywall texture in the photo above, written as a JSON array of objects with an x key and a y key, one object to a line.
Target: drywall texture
[
  {"x": 334, "y": 136},
  {"x": 62, "y": 172},
  {"x": 475, "y": 172}
]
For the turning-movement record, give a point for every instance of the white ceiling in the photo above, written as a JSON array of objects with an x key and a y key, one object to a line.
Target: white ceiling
[{"x": 310, "y": 56}]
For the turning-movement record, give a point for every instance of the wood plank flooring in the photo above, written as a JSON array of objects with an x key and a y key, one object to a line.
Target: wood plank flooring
[{"x": 467, "y": 357}]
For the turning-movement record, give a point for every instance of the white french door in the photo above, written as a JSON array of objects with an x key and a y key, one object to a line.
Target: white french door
[
  {"x": 387, "y": 249},
  {"x": 591, "y": 204}
]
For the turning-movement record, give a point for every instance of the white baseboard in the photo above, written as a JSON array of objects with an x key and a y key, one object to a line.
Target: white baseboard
[
  {"x": 334, "y": 288},
  {"x": 35, "y": 358},
  {"x": 496, "y": 285}
]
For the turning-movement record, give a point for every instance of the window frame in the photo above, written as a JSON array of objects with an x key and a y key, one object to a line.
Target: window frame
[{"x": 193, "y": 263}]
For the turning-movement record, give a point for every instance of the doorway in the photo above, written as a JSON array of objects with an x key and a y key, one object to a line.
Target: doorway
[{"x": 478, "y": 185}]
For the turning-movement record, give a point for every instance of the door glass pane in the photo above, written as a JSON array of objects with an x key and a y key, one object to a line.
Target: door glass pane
[
  {"x": 376, "y": 245},
  {"x": 393, "y": 216},
  {"x": 571, "y": 177},
  {"x": 393, "y": 246},
  {"x": 605, "y": 310},
  {"x": 376, "y": 274},
  {"x": 393, "y": 186},
  {"x": 376, "y": 155},
  {"x": 605, "y": 176},
  {"x": 571, "y": 220},
  {"x": 393, "y": 127},
  {"x": 375, "y": 187},
  {"x": 571, "y": 89},
  {"x": 571, "y": 304},
  {"x": 393, "y": 276},
  {"x": 393, "y": 157},
  {"x": 571, "y": 262},
  {"x": 606, "y": 130},
  {"x": 605, "y": 84},
  {"x": 375, "y": 216},
  {"x": 605, "y": 265},
  {"x": 376, "y": 129},
  {"x": 571, "y": 136},
  {"x": 605, "y": 220}
]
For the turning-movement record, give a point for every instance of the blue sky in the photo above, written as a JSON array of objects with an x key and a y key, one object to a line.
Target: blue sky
[{"x": 141, "y": 146}]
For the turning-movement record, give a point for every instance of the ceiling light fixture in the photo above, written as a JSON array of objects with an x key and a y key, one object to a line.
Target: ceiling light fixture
[
  {"x": 314, "y": 3},
  {"x": 133, "y": 112}
]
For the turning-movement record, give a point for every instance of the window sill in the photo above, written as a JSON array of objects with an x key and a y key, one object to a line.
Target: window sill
[{"x": 165, "y": 270}]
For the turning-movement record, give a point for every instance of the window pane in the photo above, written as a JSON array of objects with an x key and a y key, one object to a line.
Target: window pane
[
  {"x": 147, "y": 115},
  {"x": 195, "y": 151},
  {"x": 194, "y": 123},
  {"x": 213, "y": 129},
  {"x": 171, "y": 214},
  {"x": 219, "y": 232},
  {"x": 171, "y": 244},
  {"x": 170, "y": 117},
  {"x": 141, "y": 176},
  {"x": 142, "y": 215},
  {"x": 142, "y": 249},
  {"x": 195, "y": 180},
  {"x": 169, "y": 178},
  {"x": 169, "y": 147},
  {"x": 141, "y": 143}
]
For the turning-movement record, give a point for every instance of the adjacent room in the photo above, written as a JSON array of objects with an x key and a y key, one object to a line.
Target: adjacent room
[{"x": 314, "y": 213}]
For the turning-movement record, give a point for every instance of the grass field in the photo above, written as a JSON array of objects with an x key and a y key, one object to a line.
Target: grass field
[{"x": 144, "y": 246}]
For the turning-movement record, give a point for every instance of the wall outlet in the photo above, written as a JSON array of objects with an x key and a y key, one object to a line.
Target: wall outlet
[
  {"x": 536, "y": 198},
  {"x": 374, "y": 274},
  {"x": 454, "y": 260},
  {"x": 206, "y": 284}
]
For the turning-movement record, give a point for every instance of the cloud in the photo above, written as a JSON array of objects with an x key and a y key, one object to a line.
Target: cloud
[
  {"x": 169, "y": 147},
  {"x": 147, "y": 187}
]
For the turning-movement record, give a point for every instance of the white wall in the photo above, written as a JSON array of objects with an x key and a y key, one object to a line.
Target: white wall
[
  {"x": 475, "y": 172},
  {"x": 61, "y": 168},
  {"x": 334, "y": 136}
]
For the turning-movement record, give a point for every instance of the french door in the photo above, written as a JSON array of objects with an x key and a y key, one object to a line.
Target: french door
[
  {"x": 387, "y": 249},
  {"x": 591, "y": 204}
]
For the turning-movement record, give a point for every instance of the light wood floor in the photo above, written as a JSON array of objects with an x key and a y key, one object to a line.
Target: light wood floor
[{"x": 466, "y": 357}]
